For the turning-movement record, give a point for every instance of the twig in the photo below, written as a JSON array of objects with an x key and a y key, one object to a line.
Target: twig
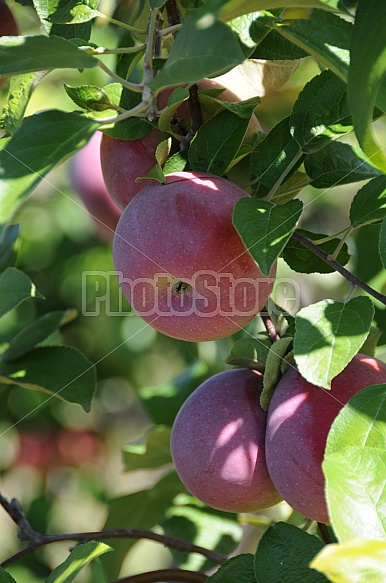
[
  {"x": 173, "y": 13},
  {"x": 195, "y": 114},
  {"x": 351, "y": 278},
  {"x": 165, "y": 575},
  {"x": 269, "y": 326},
  {"x": 323, "y": 531}
]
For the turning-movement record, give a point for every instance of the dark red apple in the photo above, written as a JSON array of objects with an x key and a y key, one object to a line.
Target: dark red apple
[
  {"x": 299, "y": 419},
  {"x": 217, "y": 443},
  {"x": 87, "y": 181},
  {"x": 8, "y": 27},
  {"x": 181, "y": 263}
]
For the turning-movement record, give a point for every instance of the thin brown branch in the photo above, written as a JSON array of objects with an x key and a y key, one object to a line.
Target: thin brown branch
[
  {"x": 165, "y": 575},
  {"x": 173, "y": 12},
  {"x": 351, "y": 278},
  {"x": 269, "y": 326},
  {"x": 324, "y": 533}
]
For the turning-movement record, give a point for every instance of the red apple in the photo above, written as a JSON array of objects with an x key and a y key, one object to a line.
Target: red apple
[
  {"x": 125, "y": 160},
  {"x": 87, "y": 181},
  {"x": 181, "y": 263},
  {"x": 217, "y": 443},
  {"x": 8, "y": 27},
  {"x": 299, "y": 419}
]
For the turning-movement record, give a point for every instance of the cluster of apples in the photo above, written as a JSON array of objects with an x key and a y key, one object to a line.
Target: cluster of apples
[
  {"x": 174, "y": 243},
  {"x": 235, "y": 457}
]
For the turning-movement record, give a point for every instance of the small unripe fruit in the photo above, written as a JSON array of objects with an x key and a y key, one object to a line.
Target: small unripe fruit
[
  {"x": 217, "y": 443},
  {"x": 181, "y": 263},
  {"x": 299, "y": 419}
]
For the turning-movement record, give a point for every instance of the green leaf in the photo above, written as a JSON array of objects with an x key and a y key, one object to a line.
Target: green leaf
[
  {"x": 382, "y": 242},
  {"x": 217, "y": 142},
  {"x": 355, "y": 492},
  {"x": 369, "y": 204},
  {"x": 272, "y": 158},
  {"x": 324, "y": 36},
  {"x": 163, "y": 402},
  {"x": 90, "y": 97},
  {"x": 284, "y": 554},
  {"x": 176, "y": 98},
  {"x": 153, "y": 452},
  {"x": 20, "y": 91},
  {"x": 203, "y": 526},
  {"x": 303, "y": 260},
  {"x": 28, "y": 54},
  {"x": 361, "y": 422},
  {"x": 366, "y": 80},
  {"x": 74, "y": 12},
  {"x": 42, "y": 141},
  {"x": 230, "y": 9},
  {"x": 355, "y": 561},
  {"x": 144, "y": 510},
  {"x": 79, "y": 557},
  {"x": 70, "y": 31},
  {"x": 133, "y": 128},
  {"x": 9, "y": 235},
  {"x": 59, "y": 371},
  {"x": 15, "y": 288},
  {"x": 291, "y": 188},
  {"x": 239, "y": 568},
  {"x": 321, "y": 112},
  {"x": 273, "y": 46},
  {"x": 338, "y": 164},
  {"x": 5, "y": 577},
  {"x": 176, "y": 163},
  {"x": 369, "y": 346},
  {"x": 272, "y": 371},
  {"x": 201, "y": 49},
  {"x": 328, "y": 335},
  {"x": 37, "y": 331},
  {"x": 265, "y": 228},
  {"x": 249, "y": 352}
]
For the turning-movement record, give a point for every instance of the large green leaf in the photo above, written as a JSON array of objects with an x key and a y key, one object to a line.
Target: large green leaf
[
  {"x": 9, "y": 236},
  {"x": 361, "y": 421},
  {"x": 5, "y": 577},
  {"x": 15, "y": 288},
  {"x": 152, "y": 452},
  {"x": 303, "y": 260},
  {"x": 355, "y": 492},
  {"x": 229, "y": 9},
  {"x": 265, "y": 228},
  {"x": 369, "y": 204},
  {"x": 203, "y": 526},
  {"x": 284, "y": 553},
  {"x": 74, "y": 12},
  {"x": 321, "y": 112},
  {"x": 328, "y": 335},
  {"x": 59, "y": 371},
  {"x": 274, "y": 157},
  {"x": 367, "y": 75},
  {"x": 45, "y": 8},
  {"x": 338, "y": 164},
  {"x": 356, "y": 561},
  {"x": 28, "y": 54},
  {"x": 201, "y": 49},
  {"x": 239, "y": 568},
  {"x": 217, "y": 142},
  {"x": 42, "y": 141},
  {"x": 37, "y": 331},
  {"x": 323, "y": 35},
  {"x": 79, "y": 557}
]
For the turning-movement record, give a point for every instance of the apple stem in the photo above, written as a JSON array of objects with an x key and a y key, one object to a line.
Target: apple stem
[
  {"x": 324, "y": 533},
  {"x": 269, "y": 326},
  {"x": 350, "y": 277},
  {"x": 346, "y": 235}
]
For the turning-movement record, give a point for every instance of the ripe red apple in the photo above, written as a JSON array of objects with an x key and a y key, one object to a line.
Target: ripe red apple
[
  {"x": 299, "y": 419},
  {"x": 8, "y": 27},
  {"x": 125, "y": 160},
  {"x": 87, "y": 181},
  {"x": 181, "y": 263},
  {"x": 217, "y": 443}
]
